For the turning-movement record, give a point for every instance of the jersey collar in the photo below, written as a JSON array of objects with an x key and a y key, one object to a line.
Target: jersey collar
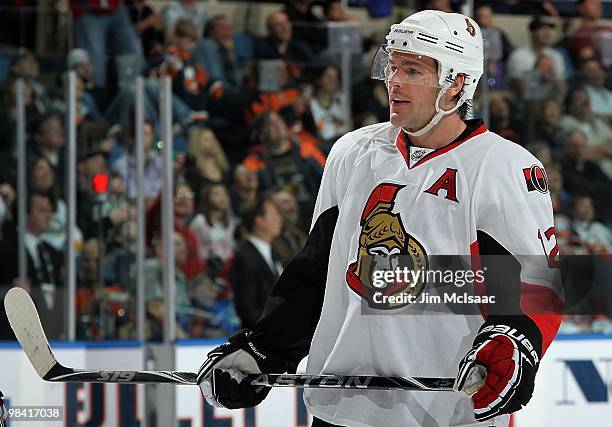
[{"x": 474, "y": 127}]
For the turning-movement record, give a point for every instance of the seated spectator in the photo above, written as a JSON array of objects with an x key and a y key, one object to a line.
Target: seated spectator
[
  {"x": 583, "y": 176},
  {"x": 547, "y": 123},
  {"x": 256, "y": 266},
  {"x": 78, "y": 60},
  {"x": 542, "y": 82},
  {"x": 45, "y": 281},
  {"x": 59, "y": 101},
  {"x": 334, "y": 11},
  {"x": 126, "y": 165},
  {"x": 154, "y": 290},
  {"x": 103, "y": 306},
  {"x": 95, "y": 217},
  {"x": 245, "y": 189},
  {"x": 284, "y": 93},
  {"x": 483, "y": 15},
  {"x": 307, "y": 27},
  {"x": 26, "y": 66},
  {"x": 48, "y": 141},
  {"x": 101, "y": 104},
  {"x": 206, "y": 162},
  {"x": 149, "y": 26},
  {"x": 190, "y": 81},
  {"x": 328, "y": 106},
  {"x": 300, "y": 121},
  {"x": 600, "y": 97},
  {"x": 196, "y": 96},
  {"x": 116, "y": 195},
  {"x": 8, "y": 117},
  {"x": 194, "y": 265},
  {"x": 590, "y": 30},
  {"x": 42, "y": 179},
  {"x": 291, "y": 239},
  {"x": 500, "y": 116},
  {"x": 183, "y": 9},
  {"x": 523, "y": 59},
  {"x": 280, "y": 43},
  {"x": 594, "y": 235},
  {"x": 218, "y": 53},
  {"x": 579, "y": 116},
  {"x": 282, "y": 162},
  {"x": 214, "y": 225},
  {"x": 99, "y": 137}
]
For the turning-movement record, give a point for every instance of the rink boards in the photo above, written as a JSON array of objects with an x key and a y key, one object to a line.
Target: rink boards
[{"x": 574, "y": 387}]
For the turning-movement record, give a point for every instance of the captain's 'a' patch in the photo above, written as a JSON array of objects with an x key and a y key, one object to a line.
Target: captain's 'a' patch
[{"x": 535, "y": 178}]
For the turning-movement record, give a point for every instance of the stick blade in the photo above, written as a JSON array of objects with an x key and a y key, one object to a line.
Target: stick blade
[{"x": 24, "y": 320}]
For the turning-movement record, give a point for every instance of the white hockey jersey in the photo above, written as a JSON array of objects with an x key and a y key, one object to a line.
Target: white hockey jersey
[{"x": 399, "y": 199}]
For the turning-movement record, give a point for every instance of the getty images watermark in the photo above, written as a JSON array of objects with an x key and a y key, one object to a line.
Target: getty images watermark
[{"x": 403, "y": 285}]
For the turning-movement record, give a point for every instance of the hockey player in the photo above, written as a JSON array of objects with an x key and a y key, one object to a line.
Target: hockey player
[{"x": 426, "y": 183}]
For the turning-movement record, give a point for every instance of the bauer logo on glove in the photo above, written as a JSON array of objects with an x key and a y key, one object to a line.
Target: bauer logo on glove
[{"x": 511, "y": 360}]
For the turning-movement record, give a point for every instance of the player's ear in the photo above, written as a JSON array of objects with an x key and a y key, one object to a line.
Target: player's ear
[
  {"x": 455, "y": 89},
  {"x": 454, "y": 92}
]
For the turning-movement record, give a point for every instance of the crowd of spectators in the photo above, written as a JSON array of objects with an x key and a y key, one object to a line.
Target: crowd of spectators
[{"x": 254, "y": 119}]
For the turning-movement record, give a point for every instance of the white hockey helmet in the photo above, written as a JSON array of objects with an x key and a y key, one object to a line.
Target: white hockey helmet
[{"x": 453, "y": 40}]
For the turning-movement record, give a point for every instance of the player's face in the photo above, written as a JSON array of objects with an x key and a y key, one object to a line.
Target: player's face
[{"x": 413, "y": 89}]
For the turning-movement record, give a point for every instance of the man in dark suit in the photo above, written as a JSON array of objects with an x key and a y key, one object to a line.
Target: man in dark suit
[
  {"x": 44, "y": 265},
  {"x": 256, "y": 266}
]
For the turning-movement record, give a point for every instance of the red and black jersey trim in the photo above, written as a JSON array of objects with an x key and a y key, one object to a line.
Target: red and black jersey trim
[{"x": 474, "y": 127}]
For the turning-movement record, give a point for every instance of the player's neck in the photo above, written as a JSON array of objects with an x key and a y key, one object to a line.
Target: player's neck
[{"x": 445, "y": 132}]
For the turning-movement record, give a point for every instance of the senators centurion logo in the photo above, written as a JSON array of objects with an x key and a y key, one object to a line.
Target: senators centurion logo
[{"x": 385, "y": 246}]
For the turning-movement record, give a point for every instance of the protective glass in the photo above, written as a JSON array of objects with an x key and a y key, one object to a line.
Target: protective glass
[{"x": 395, "y": 66}]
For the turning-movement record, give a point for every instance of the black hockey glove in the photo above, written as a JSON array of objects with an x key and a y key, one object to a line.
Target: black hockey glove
[
  {"x": 221, "y": 376},
  {"x": 509, "y": 348}
]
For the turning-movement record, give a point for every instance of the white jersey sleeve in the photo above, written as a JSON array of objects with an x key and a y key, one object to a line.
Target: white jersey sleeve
[{"x": 333, "y": 182}]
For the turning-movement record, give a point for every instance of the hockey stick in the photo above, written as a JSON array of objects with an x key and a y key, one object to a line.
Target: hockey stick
[{"x": 25, "y": 322}]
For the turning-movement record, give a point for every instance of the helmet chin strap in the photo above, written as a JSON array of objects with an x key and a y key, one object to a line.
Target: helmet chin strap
[{"x": 439, "y": 113}]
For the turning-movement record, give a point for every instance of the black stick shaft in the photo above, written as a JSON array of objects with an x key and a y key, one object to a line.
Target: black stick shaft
[
  {"x": 61, "y": 373},
  {"x": 353, "y": 382}
]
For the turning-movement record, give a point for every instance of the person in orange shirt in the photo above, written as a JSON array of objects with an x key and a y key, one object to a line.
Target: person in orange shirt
[{"x": 285, "y": 162}]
